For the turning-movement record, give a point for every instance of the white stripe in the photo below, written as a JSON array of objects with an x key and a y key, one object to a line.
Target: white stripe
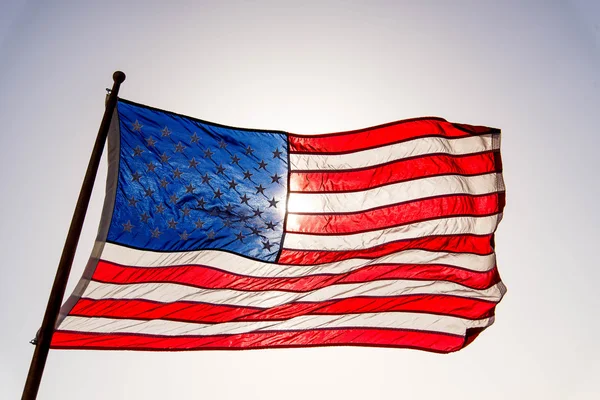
[
  {"x": 172, "y": 292},
  {"x": 394, "y": 152},
  {"x": 325, "y": 203},
  {"x": 244, "y": 266},
  {"x": 358, "y": 241},
  {"x": 390, "y": 320}
]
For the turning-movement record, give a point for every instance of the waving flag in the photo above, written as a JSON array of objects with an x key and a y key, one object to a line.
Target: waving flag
[{"x": 214, "y": 237}]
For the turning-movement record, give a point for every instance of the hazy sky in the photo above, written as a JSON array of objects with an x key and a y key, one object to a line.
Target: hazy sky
[{"x": 530, "y": 68}]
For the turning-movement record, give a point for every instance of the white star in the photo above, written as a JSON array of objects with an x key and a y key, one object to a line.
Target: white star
[
  {"x": 127, "y": 227},
  {"x": 151, "y": 142}
]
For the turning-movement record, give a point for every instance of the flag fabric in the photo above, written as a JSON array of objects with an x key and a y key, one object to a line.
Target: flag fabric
[{"x": 214, "y": 237}]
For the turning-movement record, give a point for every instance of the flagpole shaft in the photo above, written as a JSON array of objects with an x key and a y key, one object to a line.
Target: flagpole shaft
[{"x": 38, "y": 361}]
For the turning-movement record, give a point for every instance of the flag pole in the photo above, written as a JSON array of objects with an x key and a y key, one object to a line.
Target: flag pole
[{"x": 42, "y": 345}]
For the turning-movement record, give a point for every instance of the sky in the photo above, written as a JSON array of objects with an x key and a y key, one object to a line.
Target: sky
[{"x": 531, "y": 68}]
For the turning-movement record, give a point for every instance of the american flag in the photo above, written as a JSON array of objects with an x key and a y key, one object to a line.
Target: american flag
[{"x": 214, "y": 237}]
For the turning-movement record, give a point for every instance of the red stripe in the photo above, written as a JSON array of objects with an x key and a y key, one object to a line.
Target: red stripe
[
  {"x": 186, "y": 311},
  {"x": 436, "y": 342},
  {"x": 452, "y": 243},
  {"x": 380, "y": 136},
  {"x": 398, "y": 171},
  {"x": 211, "y": 278},
  {"x": 398, "y": 214}
]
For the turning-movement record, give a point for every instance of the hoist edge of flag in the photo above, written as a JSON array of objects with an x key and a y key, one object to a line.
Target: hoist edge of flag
[{"x": 113, "y": 150}]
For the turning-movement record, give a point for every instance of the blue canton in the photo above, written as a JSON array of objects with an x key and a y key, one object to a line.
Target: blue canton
[{"x": 187, "y": 185}]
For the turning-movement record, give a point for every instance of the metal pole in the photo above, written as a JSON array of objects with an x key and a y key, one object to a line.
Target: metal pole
[{"x": 38, "y": 361}]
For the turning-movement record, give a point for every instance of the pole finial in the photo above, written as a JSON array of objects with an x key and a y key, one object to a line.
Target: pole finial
[{"x": 119, "y": 77}]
